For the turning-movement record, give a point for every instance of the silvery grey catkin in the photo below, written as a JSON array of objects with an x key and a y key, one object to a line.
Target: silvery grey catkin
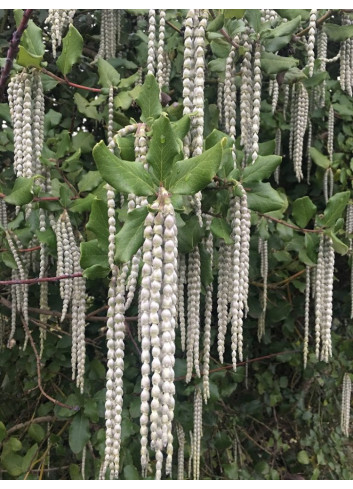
[
  {"x": 346, "y": 403},
  {"x": 58, "y": 19}
]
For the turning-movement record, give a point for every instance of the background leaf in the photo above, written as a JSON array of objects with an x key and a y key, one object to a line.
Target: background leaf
[{"x": 71, "y": 51}]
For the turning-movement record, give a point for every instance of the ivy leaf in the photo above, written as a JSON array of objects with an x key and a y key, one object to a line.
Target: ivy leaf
[
  {"x": 130, "y": 237},
  {"x": 89, "y": 181},
  {"x": 221, "y": 229},
  {"x": 71, "y": 52},
  {"x": 253, "y": 16},
  {"x": 108, "y": 76},
  {"x": 303, "y": 211},
  {"x": 98, "y": 222},
  {"x": 335, "y": 207},
  {"x": 272, "y": 63},
  {"x": 22, "y": 192},
  {"x": 338, "y": 32},
  {"x": 191, "y": 175},
  {"x": 79, "y": 433},
  {"x": 148, "y": 99},
  {"x": 264, "y": 198},
  {"x": 319, "y": 159},
  {"x": 163, "y": 148},
  {"x": 124, "y": 176},
  {"x": 262, "y": 168}
]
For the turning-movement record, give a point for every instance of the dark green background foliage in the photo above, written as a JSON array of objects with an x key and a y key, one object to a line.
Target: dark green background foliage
[{"x": 269, "y": 420}]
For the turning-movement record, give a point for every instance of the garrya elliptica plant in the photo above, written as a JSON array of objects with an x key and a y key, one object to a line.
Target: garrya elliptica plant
[{"x": 176, "y": 237}]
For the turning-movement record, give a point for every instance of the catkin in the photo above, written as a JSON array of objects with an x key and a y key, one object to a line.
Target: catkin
[
  {"x": 193, "y": 308},
  {"x": 197, "y": 433},
  {"x": 346, "y": 404},
  {"x": 58, "y": 19}
]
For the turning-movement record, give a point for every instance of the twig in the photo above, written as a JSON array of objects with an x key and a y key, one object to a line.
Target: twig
[
  {"x": 13, "y": 50},
  {"x": 31, "y": 281},
  {"x": 318, "y": 22},
  {"x": 39, "y": 381},
  {"x": 67, "y": 82},
  {"x": 174, "y": 27},
  {"x": 41, "y": 419},
  {"x": 292, "y": 226},
  {"x": 225, "y": 33},
  {"x": 276, "y": 285},
  {"x": 252, "y": 360},
  {"x": 22, "y": 250}
]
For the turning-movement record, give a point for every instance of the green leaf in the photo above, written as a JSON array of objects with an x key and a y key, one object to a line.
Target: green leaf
[
  {"x": 123, "y": 100},
  {"x": 263, "y": 198},
  {"x": 303, "y": 458},
  {"x": 163, "y": 148},
  {"x": 216, "y": 24},
  {"x": 253, "y": 16},
  {"x": 82, "y": 205},
  {"x": 272, "y": 63},
  {"x": 98, "y": 222},
  {"x": 338, "y": 32},
  {"x": 31, "y": 49},
  {"x": 233, "y": 13},
  {"x": 71, "y": 52},
  {"x": 334, "y": 208},
  {"x": 130, "y": 237},
  {"x": 75, "y": 472},
  {"x": 124, "y": 176},
  {"x": 21, "y": 193},
  {"x": 36, "y": 432},
  {"x": 108, "y": 76},
  {"x": 89, "y": 181},
  {"x": 131, "y": 473},
  {"x": 181, "y": 127},
  {"x": 5, "y": 113},
  {"x": 303, "y": 211},
  {"x": 262, "y": 168},
  {"x": 319, "y": 159},
  {"x": 189, "y": 235},
  {"x": 221, "y": 229},
  {"x": 292, "y": 13},
  {"x": 206, "y": 268},
  {"x": 285, "y": 28},
  {"x": 193, "y": 174},
  {"x": 85, "y": 107},
  {"x": 92, "y": 254},
  {"x": 26, "y": 59},
  {"x": 148, "y": 99},
  {"x": 29, "y": 457},
  {"x": 338, "y": 245},
  {"x": 273, "y": 45},
  {"x": 79, "y": 433}
]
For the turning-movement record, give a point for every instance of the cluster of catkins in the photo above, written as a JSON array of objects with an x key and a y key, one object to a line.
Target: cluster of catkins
[
  {"x": 58, "y": 19},
  {"x": 109, "y": 33},
  {"x": 26, "y": 102},
  {"x": 158, "y": 60},
  {"x": 72, "y": 290}
]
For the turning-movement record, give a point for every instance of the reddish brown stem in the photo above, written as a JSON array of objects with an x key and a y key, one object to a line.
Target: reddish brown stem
[
  {"x": 31, "y": 281},
  {"x": 65, "y": 81},
  {"x": 22, "y": 250},
  {"x": 292, "y": 226}
]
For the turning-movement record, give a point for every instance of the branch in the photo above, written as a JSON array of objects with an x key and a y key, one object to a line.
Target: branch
[
  {"x": 292, "y": 226},
  {"x": 318, "y": 22},
  {"x": 65, "y": 81},
  {"x": 13, "y": 50},
  {"x": 39, "y": 381},
  {"x": 253, "y": 360},
  {"x": 283, "y": 282},
  {"x": 31, "y": 281},
  {"x": 225, "y": 33},
  {"x": 22, "y": 250},
  {"x": 41, "y": 419}
]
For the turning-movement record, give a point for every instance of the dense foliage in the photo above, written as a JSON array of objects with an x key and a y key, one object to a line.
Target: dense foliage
[{"x": 190, "y": 174}]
